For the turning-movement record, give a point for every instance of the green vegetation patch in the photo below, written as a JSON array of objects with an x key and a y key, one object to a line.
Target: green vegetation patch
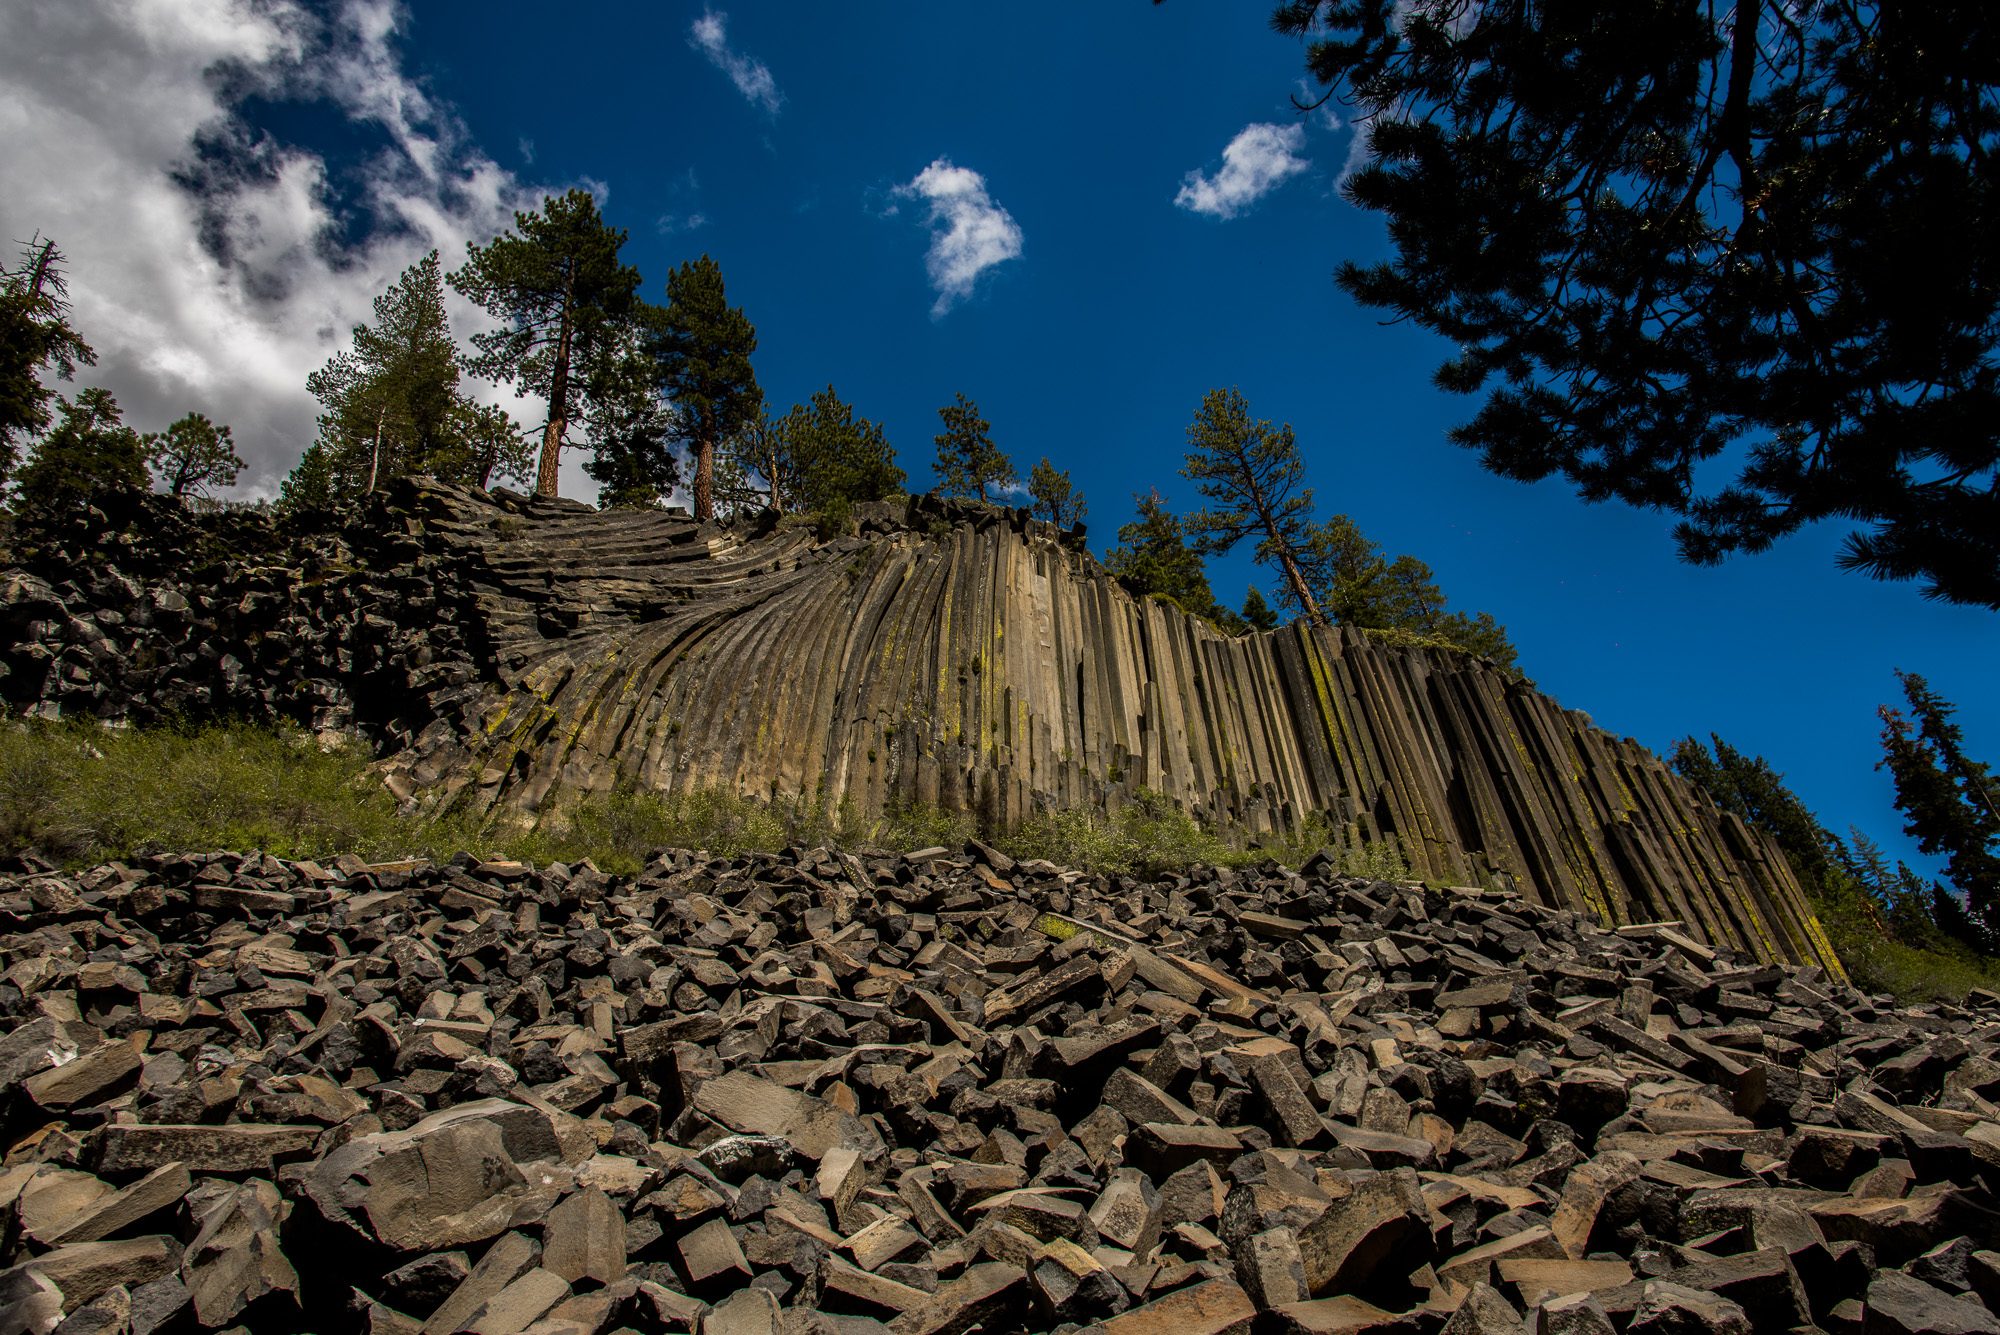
[{"x": 80, "y": 794}]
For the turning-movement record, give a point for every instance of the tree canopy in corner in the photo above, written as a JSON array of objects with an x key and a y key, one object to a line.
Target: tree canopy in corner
[{"x": 1738, "y": 263}]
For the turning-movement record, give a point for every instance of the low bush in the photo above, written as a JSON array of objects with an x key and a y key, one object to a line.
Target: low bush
[{"x": 1876, "y": 963}]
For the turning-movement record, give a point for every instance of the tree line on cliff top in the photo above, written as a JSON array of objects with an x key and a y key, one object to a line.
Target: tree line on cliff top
[{"x": 663, "y": 398}]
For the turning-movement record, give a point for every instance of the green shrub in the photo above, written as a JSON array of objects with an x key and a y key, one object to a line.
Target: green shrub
[
  {"x": 1876, "y": 963},
  {"x": 79, "y": 794},
  {"x": 1152, "y": 838},
  {"x": 924, "y": 825},
  {"x": 833, "y": 520}
]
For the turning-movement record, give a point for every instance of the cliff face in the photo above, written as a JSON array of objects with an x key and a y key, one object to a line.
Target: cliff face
[{"x": 978, "y": 661}]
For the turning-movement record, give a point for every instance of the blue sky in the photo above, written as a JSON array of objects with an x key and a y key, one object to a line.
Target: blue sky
[{"x": 784, "y": 140}]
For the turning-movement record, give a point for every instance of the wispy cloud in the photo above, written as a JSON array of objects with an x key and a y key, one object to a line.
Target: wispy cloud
[
  {"x": 1358, "y": 151},
  {"x": 1257, "y": 161},
  {"x": 213, "y": 267},
  {"x": 709, "y": 35},
  {"x": 970, "y": 232},
  {"x": 1325, "y": 108},
  {"x": 669, "y": 223}
]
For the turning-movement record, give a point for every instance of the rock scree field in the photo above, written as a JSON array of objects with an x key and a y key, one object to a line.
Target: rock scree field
[{"x": 841, "y": 1092}]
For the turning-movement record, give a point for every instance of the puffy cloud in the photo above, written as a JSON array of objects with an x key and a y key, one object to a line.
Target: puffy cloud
[
  {"x": 1257, "y": 161},
  {"x": 213, "y": 267},
  {"x": 709, "y": 35},
  {"x": 970, "y": 232}
]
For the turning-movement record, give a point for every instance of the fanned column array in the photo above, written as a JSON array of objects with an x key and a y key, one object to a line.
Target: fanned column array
[{"x": 980, "y": 661}]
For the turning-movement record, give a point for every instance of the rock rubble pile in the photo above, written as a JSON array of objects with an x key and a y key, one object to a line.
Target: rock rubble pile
[{"x": 849, "y": 1092}]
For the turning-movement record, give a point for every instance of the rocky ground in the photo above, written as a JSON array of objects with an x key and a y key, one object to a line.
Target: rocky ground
[{"x": 842, "y": 1092}]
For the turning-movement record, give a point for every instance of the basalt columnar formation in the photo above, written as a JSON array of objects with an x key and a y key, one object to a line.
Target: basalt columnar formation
[{"x": 512, "y": 655}]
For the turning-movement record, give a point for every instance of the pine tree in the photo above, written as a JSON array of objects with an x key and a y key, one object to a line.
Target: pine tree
[
  {"x": 192, "y": 456},
  {"x": 839, "y": 458},
  {"x": 1956, "y": 921},
  {"x": 1951, "y": 802},
  {"x": 1358, "y": 585},
  {"x": 89, "y": 450},
  {"x": 310, "y": 485},
  {"x": 1677, "y": 248},
  {"x": 1252, "y": 473},
  {"x": 35, "y": 337},
  {"x": 1752, "y": 789},
  {"x": 564, "y": 300},
  {"x": 968, "y": 462},
  {"x": 485, "y": 441},
  {"x": 1481, "y": 636},
  {"x": 1155, "y": 559},
  {"x": 702, "y": 345},
  {"x": 1258, "y": 614},
  {"x": 762, "y": 451},
  {"x": 1054, "y": 497},
  {"x": 1346, "y": 572},
  {"x": 631, "y": 432},
  {"x": 1894, "y": 905},
  {"x": 391, "y": 405},
  {"x": 736, "y": 491}
]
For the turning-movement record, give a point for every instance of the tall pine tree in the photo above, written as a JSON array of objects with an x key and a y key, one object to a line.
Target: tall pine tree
[
  {"x": 391, "y": 405},
  {"x": 1054, "y": 497},
  {"x": 631, "y": 431},
  {"x": 35, "y": 338},
  {"x": 1950, "y": 802},
  {"x": 702, "y": 345},
  {"x": 968, "y": 462},
  {"x": 565, "y": 302},
  {"x": 1251, "y": 472},
  {"x": 193, "y": 455}
]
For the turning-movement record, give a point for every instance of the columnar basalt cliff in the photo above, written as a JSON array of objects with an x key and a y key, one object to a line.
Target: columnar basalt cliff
[{"x": 511, "y": 655}]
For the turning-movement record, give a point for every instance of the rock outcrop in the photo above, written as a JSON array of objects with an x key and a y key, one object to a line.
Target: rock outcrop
[{"x": 510, "y": 655}]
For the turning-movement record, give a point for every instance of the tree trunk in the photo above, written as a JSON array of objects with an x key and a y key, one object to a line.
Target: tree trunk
[
  {"x": 375, "y": 462},
  {"x": 704, "y": 480},
  {"x": 41, "y": 272},
  {"x": 1296, "y": 578},
  {"x": 1293, "y": 575},
  {"x": 552, "y": 438},
  {"x": 771, "y": 476}
]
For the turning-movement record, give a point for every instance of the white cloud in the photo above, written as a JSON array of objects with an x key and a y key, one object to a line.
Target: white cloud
[
  {"x": 215, "y": 279},
  {"x": 709, "y": 35},
  {"x": 670, "y": 223},
  {"x": 1257, "y": 161},
  {"x": 970, "y": 232}
]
